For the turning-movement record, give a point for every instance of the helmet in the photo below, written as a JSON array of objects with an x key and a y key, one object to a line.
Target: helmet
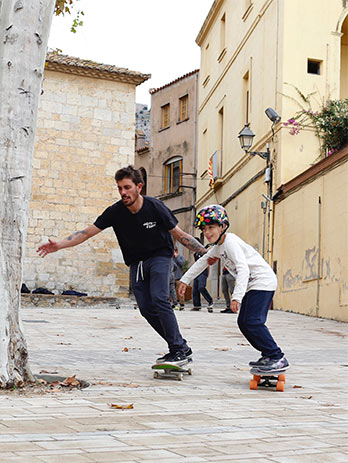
[{"x": 211, "y": 214}]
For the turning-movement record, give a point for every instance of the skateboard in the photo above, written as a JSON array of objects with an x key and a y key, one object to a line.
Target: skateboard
[
  {"x": 165, "y": 370},
  {"x": 264, "y": 379}
]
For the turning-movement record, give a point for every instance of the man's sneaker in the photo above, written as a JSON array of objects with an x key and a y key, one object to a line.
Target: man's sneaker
[
  {"x": 196, "y": 309},
  {"x": 189, "y": 353},
  {"x": 260, "y": 362},
  {"x": 227, "y": 310},
  {"x": 274, "y": 365},
  {"x": 163, "y": 359},
  {"x": 210, "y": 308},
  {"x": 174, "y": 358}
]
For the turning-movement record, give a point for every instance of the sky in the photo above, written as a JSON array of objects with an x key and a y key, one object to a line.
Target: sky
[{"x": 154, "y": 37}]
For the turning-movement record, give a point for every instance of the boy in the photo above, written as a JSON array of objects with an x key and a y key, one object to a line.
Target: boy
[{"x": 254, "y": 286}]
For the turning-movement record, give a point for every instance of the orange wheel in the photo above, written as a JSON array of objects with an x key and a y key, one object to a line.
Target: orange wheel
[
  {"x": 280, "y": 386},
  {"x": 253, "y": 384},
  {"x": 257, "y": 378},
  {"x": 281, "y": 378}
]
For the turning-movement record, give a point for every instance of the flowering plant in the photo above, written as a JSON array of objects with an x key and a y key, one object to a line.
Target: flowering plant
[{"x": 330, "y": 123}]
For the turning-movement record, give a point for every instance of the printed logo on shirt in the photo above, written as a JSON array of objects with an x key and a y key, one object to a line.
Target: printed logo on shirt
[{"x": 149, "y": 224}]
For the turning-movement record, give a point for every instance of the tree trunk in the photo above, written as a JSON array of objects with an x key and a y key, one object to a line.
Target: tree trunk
[{"x": 24, "y": 29}]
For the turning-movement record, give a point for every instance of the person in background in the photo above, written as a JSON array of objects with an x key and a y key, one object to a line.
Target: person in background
[
  {"x": 199, "y": 288},
  {"x": 227, "y": 287},
  {"x": 172, "y": 290},
  {"x": 179, "y": 261}
]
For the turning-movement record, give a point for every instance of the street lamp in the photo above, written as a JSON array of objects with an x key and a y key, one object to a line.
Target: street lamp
[{"x": 246, "y": 136}]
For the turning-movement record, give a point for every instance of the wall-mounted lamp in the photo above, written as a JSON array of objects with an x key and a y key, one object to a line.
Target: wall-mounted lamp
[
  {"x": 246, "y": 136},
  {"x": 272, "y": 115}
]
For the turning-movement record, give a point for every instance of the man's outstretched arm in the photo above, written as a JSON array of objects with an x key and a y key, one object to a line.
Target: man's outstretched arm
[
  {"x": 72, "y": 240},
  {"x": 187, "y": 240}
]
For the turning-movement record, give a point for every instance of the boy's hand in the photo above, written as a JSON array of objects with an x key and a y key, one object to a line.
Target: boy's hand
[
  {"x": 234, "y": 306},
  {"x": 181, "y": 288},
  {"x": 44, "y": 249}
]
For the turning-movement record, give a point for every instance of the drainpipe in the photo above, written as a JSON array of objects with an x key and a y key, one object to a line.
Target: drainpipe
[{"x": 319, "y": 259}]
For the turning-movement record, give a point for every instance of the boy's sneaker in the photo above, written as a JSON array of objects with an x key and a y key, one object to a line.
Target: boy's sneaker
[
  {"x": 275, "y": 365},
  {"x": 210, "y": 308},
  {"x": 174, "y": 358},
  {"x": 196, "y": 309},
  {"x": 260, "y": 362}
]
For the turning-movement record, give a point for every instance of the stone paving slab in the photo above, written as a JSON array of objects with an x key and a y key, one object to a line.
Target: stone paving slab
[{"x": 211, "y": 416}]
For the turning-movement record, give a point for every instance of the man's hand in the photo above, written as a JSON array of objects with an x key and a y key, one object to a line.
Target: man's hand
[
  {"x": 234, "y": 306},
  {"x": 181, "y": 288},
  {"x": 212, "y": 260},
  {"x": 44, "y": 249}
]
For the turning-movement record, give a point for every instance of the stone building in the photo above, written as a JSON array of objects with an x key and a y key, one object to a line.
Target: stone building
[
  {"x": 169, "y": 163},
  {"x": 85, "y": 132},
  {"x": 260, "y": 54}
]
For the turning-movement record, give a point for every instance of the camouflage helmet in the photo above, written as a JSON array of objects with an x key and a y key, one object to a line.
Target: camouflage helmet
[{"x": 210, "y": 215}]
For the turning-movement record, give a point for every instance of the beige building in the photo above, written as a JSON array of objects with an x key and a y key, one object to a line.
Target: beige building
[
  {"x": 169, "y": 162},
  {"x": 259, "y": 54},
  {"x": 85, "y": 132}
]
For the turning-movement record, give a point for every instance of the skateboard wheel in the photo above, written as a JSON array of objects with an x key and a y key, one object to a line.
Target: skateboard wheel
[
  {"x": 257, "y": 378},
  {"x": 180, "y": 376},
  {"x": 253, "y": 384},
  {"x": 156, "y": 375},
  {"x": 189, "y": 371},
  {"x": 281, "y": 378},
  {"x": 280, "y": 386}
]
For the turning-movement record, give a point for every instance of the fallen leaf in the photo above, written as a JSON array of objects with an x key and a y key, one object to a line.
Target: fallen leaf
[
  {"x": 222, "y": 348},
  {"x": 125, "y": 349},
  {"x": 297, "y": 387},
  {"x": 48, "y": 372},
  {"x": 128, "y": 337},
  {"x": 71, "y": 381},
  {"x": 42, "y": 381},
  {"x": 309, "y": 397},
  {"x": 121, "y": 407},
  {"x": 128, "y": 385}
]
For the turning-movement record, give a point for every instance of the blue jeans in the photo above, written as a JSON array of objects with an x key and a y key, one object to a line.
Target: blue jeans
[
  {"x": 199, "y": 289},
  {"x": 150, "y": 285},
  {"x": 251, "y": 321}
]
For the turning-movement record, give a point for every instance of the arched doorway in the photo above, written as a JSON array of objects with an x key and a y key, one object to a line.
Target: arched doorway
[
  {"x": 144, "y": 174},
  {"x": 344, "y": 61}
]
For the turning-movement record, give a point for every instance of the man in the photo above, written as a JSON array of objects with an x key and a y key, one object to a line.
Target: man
[{"x": 144, "y": 227}]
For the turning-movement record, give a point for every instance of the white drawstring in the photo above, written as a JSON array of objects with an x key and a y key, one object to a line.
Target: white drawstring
[{"x": 140, "y": 271}]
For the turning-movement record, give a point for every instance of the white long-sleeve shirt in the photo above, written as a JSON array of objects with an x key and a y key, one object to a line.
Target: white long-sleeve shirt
[{"x": 243, "y": 262}]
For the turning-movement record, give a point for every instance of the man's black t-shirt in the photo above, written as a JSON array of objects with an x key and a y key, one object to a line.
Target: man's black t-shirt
[{"x": 141, "y": 235}]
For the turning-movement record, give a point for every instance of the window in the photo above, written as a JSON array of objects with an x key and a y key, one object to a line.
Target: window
[
  {"x": 246, "y": 97},
  {"x": 183, "y": 108},
  {"x": 222, "y": 37},
  {"x": 172, "y": 175},
  {"x": 165, "y": 120},
  {"x": 344, "y": 61},
  {"x": 313, "y": 66}
]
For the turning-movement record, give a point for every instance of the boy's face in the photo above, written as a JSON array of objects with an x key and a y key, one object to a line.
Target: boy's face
[{"x": 212, "y": 232}]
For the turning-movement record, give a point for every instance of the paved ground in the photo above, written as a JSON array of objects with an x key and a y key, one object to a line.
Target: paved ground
[{"x": 211, "y": 416}]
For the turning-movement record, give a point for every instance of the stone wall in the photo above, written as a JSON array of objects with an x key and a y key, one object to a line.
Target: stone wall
[{"x": 85, "y": 133}]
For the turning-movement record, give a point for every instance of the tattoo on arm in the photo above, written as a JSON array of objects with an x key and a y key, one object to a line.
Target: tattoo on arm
[
  {"x": 75, "y": 235},
  {"x": 192, "y": 244}
]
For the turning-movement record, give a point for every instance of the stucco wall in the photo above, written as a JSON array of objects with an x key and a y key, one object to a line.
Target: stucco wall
[
  {"x": 85, "y": 132},
  {"x": 309, "y": 223}
]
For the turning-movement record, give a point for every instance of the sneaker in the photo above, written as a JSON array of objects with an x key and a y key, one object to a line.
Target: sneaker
[
  {"x": 275, "y": 365},
  {"x": 210, "y": 308},
  {"x": 260, "y": 362},
  {"x": 182, "y": 307},
  {"x": 189, "y": 353},
  {"x": 196, "y": 308},
  {"x": 227, "y": 310},
  {"x": 174, "y": 358}
]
